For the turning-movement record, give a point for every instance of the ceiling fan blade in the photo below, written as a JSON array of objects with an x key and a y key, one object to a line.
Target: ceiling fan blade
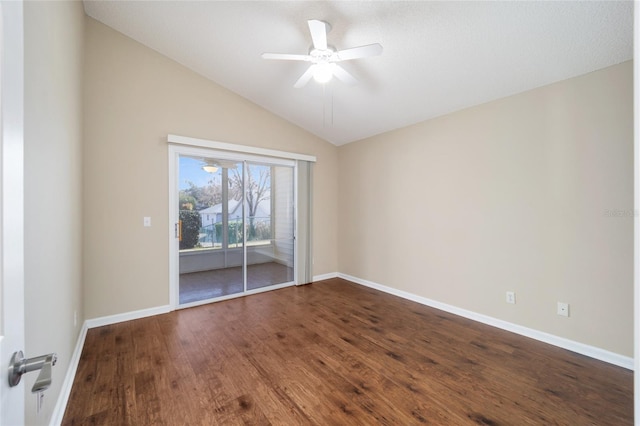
[
  {"x": 286, "y": 56},
  {"x": 343, "y": 75},
  {"x": 359, "y": 52},
  {"x": 304, "y": 78},
  {"x": 318, "y": 31}
]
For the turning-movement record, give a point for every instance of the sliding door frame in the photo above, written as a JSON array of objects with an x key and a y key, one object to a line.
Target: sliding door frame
[{"x": 180, "y": 145}]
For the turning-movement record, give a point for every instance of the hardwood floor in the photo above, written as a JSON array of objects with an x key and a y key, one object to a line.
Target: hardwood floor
[
  {"x": 335, "y": 353},
  {"x": 196, "y": 286}
]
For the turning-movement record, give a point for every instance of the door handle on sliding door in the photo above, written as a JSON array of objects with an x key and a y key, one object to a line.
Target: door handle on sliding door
[{"x": 178, "y": 230}]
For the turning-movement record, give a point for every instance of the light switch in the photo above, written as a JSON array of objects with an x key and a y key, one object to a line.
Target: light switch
[{"x": 147, "y": 221}]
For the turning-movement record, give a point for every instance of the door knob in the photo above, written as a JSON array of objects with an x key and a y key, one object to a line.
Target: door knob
[{"x": 20, "y": 365}]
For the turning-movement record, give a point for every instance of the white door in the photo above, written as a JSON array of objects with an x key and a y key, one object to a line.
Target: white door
[{"x": 11, "y": 206}]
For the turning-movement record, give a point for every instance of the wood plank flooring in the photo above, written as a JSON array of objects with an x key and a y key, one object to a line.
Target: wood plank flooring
[
  {"x": 196, "y": 286},
  {"x": 335, "y": 353}
]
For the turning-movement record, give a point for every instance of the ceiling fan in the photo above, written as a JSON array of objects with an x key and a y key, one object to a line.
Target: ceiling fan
[{"x": 324, "y": 58}]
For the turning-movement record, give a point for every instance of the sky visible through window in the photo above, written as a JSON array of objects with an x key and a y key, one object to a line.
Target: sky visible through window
[{"x": 191, "y": 171}]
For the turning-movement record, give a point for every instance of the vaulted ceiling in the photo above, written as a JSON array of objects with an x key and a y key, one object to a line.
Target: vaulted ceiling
[{"x": 438, "y": 57}]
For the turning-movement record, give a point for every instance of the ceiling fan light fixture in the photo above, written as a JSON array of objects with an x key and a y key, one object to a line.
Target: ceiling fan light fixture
[
  {"x": 209, "y": 168},
  {"x": 323, "y": 73},
  {"x": 323, "y": 57}
]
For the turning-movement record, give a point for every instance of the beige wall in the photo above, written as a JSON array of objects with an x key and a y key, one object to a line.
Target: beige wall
[
  {"x": 53, "y": 181},
  {"x": 509, "y": 195},
  {"x": 133, "y": 98}
]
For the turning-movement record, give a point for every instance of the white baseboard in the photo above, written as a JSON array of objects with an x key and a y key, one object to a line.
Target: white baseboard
[
  {"x": 127, "y": 316},
  {"x": 65, "y": 391},
  {"x": 581, "y": 348},
  {"x": 325, "y": 276}
]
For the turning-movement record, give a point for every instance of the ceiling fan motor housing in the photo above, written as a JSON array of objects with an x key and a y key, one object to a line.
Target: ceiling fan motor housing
[{"x": 319, "y": 56}]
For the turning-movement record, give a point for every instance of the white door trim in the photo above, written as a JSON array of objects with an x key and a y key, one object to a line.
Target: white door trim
[
  {"x": 12, "y": 206},
  {"x": 245, "y": 149},
  {"x": 636, "y": 220}
]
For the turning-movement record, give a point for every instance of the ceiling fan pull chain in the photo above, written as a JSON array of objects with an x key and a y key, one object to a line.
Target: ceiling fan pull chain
[
  {"x": 324, "y": 106},
  {"x": 332, "y": 107},
  {"x": 327, "y": 102}
]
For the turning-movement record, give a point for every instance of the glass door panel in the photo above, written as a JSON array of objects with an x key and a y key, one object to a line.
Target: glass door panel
[
  {"x": 210, "y": 260},
  {"x": 269, "y": 225},
  {"x": 233, "y": 225}
]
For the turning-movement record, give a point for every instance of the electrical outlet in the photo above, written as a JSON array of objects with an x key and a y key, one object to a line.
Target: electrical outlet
[
  {"x": 563, "y": 309},
  {"x": 511, "y": 297},
  {"x": 146, "y": 221}
]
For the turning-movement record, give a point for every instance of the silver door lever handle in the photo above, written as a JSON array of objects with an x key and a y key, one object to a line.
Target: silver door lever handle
[{"x": 20, "y": 365}]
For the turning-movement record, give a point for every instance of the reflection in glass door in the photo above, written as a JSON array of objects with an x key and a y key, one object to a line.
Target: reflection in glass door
[
  {"x": 269, "y": 226},
  {"x": 236, "y": 221}
]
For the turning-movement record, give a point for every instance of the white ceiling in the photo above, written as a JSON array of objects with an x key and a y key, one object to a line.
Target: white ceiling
[{"x": 438, "y": 57}]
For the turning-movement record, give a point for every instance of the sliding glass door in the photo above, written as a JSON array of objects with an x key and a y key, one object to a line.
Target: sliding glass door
[{"x": 236, "y": 226}]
